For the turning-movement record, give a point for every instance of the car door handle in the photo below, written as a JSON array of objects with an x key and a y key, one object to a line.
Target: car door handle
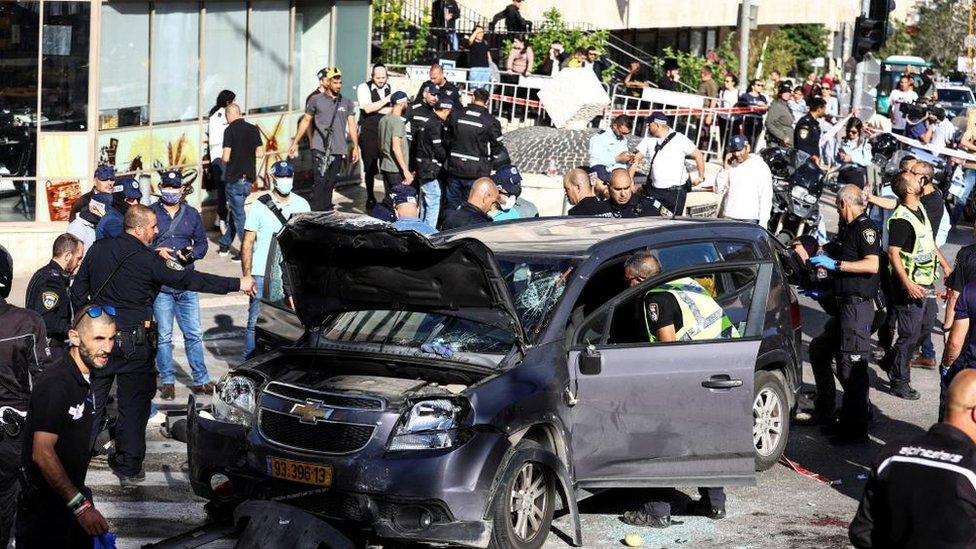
[{"x": 722, "y": 381}]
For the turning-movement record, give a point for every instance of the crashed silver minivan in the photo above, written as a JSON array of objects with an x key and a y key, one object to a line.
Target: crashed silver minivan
[{"x": 459, "y": 389}]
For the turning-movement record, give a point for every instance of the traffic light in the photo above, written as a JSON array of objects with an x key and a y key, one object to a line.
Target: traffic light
[{"x": 872, "y": 30}]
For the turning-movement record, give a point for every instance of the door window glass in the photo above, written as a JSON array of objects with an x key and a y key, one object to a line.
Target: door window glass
[
  {"x": 225, "y": 51},
  {"x": 64, "y": 47},
  {"x": 123, "y": 95},
  {"x": 175, "y": 61},
  {"x": 18, "y": 94},
  {"x": 268, "y": 65},
  {"x": 703, "y": 306}
]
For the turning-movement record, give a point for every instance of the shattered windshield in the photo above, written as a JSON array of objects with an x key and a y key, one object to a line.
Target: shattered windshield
[
  {"x": 536, "y": 284},
  {"x": 431, "y": 333}
]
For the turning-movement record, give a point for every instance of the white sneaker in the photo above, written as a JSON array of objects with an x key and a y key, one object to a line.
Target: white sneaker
[{"x": 222, "y": 225}]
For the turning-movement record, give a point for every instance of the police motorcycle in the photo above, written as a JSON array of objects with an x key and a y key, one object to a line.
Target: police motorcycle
[{"x": 797, "y": 185}]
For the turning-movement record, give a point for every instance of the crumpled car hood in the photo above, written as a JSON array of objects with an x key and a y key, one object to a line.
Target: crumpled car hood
[{"x": 338, "y": 262}]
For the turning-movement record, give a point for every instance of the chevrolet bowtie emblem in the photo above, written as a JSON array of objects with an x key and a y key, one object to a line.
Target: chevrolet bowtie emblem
[{"x": 311, "y": 411}]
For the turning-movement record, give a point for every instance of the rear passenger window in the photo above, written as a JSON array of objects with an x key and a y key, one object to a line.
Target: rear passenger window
[
  {"x": 687, "y": 255},
  {"x": 736, "y": 251}
]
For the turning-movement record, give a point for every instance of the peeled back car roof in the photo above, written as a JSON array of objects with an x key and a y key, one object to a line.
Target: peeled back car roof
[{"x": 341, "y": 262}]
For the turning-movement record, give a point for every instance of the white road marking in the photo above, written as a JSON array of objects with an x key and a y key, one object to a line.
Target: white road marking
[{"x": 182, "y": 511}]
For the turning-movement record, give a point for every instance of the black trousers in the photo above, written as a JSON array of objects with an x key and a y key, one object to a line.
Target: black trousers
[
  {"x": 909, "y": 314},
  {"x": 43, "y": 520},
  {"x": 131, "y": 367},
  {"x": 369, "y": 148},
  {"x": 9, "y": 486},
  {"x": 326, "y": 174},
  {"x": 217, "y": 180},
  {"x": 391, "y": 179},
  {"x": 673, "y": 198},
  {"x": 886, "y": 333},
  {"x": 851, "y": 327}
]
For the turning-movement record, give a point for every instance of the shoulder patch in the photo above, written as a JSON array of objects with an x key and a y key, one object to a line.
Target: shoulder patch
[
  {"x": 870, "y": 235},
  {"x": 50, "y": 300},
  {"x": 804, "y": 132},
  {"x": 652, "y": 312},
  {"x": 174, "y": 265}
]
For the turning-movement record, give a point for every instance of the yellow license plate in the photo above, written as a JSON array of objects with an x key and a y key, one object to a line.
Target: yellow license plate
[{"x": 300, "y": 471}]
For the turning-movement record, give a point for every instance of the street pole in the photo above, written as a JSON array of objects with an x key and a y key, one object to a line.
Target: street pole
[
  {"x": 859, "y": 73},
  {"x": 744, "y": 45}
]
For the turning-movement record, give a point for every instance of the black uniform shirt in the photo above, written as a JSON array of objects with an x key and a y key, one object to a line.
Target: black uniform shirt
[
  {"x": 429, "y": 152},
  {"x": 140, "y": 275},
  {"x": 920, "y": 494},
  {"x": 855, "y": 241},
  {"x": 637, "y": 206},
  {"x": 61, "y": 404},
  {"x": 663, "y": 310},
  {"x": 964, "y": 270},
  {"x": 591, "y": 206},
  {"x": 243, "y": 139},
  {"x": 474, "y": 139},
  {"x": 23, "y": 353},
  {"x": 934, "y": 204},
  {"x": 47, "y": 295},
  {"x": 806, "y": 135},
  {"x": 465, "y": 216}
]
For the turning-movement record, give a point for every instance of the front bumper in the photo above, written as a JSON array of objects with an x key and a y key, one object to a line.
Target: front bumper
[{"x": 438, "y": 496}]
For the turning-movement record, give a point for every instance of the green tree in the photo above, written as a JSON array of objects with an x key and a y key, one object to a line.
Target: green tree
[
  {"x": 942, "y": 27},
  {"x": 554, "y": 29},
  {"x": 810, "y": 40},
  {"x": 402, "y": 38},
  {"x": 901, "y": 41}
]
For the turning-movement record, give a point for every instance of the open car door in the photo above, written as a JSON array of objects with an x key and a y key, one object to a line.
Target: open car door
[{"x": 668, "y": 413}]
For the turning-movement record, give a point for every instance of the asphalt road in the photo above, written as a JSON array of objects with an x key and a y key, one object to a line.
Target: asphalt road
[{"x": 784, "y": 508}]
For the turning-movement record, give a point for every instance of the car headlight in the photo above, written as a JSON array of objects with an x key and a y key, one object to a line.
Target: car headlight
[
  {"x": 799, "y": 193},
  {"x": 810, "y": 199},
  {"x": 234, "y": 400},
  {"x": 429, "y": 425}
]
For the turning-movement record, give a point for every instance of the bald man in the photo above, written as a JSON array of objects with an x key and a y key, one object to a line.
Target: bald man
[
  {"x": 625, "y": 203},
  {"x": 579, "y": 192},
  {"x": 481, "y": 200},
  {"x": 124, "y": 273},
  {"x": 923, "y": 493}
]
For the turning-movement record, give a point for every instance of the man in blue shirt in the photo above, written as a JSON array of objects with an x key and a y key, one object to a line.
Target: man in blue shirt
[
  {"x": 407, "y": 210},
  {"x": 960, "y": 351},
  {"x": 609, "y": 148},
  {"x": 265, "y": 218},
  {"x": 511, "y": 205},
  {"x": 181, "y": 239},
  {"x": 125, "y": 193}
]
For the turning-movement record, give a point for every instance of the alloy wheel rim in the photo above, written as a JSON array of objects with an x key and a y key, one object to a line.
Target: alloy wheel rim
[
  {"x": 767, "y": 421},
  {"x": 528, "y": 501}
]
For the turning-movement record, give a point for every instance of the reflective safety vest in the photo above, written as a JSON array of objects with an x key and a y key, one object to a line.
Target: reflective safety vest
[
  {"x": 701, "y": 317},
  {"x": 919, "y": 262}
]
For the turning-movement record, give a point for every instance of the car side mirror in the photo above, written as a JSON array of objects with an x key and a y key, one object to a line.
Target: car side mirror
[{"x": 590, "y": 361}]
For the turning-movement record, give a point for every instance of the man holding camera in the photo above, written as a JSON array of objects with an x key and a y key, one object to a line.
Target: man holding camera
[
  {"x": 905, "y": 94},
  {"x": 919, "y": 122},
  {"x": 182, "y": 239}
]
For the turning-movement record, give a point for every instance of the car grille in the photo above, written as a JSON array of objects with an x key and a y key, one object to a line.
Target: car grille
[
  {"x": 333, "y": 505},
  {"x": 331, "y": 400},
  {"x": 326, "y": 437}
]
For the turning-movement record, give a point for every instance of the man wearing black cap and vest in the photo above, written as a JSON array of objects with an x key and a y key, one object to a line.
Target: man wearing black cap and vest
[
  {"x": 429, "y": 154},
  {"x": 474, "y": 139},
  {"x": 666, "y": 150},
  {"x": 374, "y": 102},
  {"x": 23, "y": 355},
  {"x": 334, "y": 117}
]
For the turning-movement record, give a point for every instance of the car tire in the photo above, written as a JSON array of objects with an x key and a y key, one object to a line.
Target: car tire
[
  {"x": 770, "y": 419},
  {"x": 513, "y": 528}
]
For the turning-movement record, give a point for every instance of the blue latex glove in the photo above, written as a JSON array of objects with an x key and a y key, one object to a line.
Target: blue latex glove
[
  {"x": 824, "y": 261},
  {"x": 104, "y": 541},
  {"x": 812, "y": 293}
]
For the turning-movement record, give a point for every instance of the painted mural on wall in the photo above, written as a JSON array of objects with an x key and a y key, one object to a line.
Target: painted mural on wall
[
  {"x": 61, "y": 197},
  {"x": 276, "y": 132},
  {"x": 145, "y": 153}
]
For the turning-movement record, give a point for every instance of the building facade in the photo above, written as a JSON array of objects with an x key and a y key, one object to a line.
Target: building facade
[{"x": 131, "y": 83}]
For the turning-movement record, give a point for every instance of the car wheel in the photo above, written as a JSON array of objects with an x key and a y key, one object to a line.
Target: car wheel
[
  {"x": 523, "y": 506},
  {"x": 770, "y": 419}
]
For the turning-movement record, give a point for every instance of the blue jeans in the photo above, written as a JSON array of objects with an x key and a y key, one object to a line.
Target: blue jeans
[
  {"x": 431, "y": 195},
  {"x": 237, "y": 192},
  {"x": 185, "y": 307},
  {"x": 457, "y": 192},
  {"x": 477, "y": 75},
  {"x": 253, "y": 307}
]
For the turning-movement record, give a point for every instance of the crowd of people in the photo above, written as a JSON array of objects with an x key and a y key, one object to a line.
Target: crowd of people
[{"x": 123, "y": 274}]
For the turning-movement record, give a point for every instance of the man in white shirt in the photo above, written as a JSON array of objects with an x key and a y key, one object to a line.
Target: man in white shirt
[
  {"x": 904, "y": 94},
  {"x": 747, "y": 184},
  {"x": 944, "y": 128},
  {"x": 666, "y": 151}
]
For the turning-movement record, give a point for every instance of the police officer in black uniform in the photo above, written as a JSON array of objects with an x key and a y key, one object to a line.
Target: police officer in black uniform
[
  {"x": 474, "y": 138},
  {"x": 806, "y": 134},
  {"x": 47, "y": 291},
  {"x": 625, "y": 203},
  {"x": 23, "y": 355},
  {"x": 126, "y": 273},
  {"x": 853, "y": 260},
  {"x": 921, "y": 493}
]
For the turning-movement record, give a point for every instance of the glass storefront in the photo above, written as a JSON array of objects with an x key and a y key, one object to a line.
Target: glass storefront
[{"x": 132, "y": 82}]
